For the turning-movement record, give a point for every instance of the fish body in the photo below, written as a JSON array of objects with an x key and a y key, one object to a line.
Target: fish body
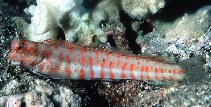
[{"x": 70, "y": 61}]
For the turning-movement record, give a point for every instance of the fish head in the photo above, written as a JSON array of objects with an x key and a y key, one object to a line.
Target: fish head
[
  {"x": 24, "y": 53},
  {"x": 24, "y": 46}
]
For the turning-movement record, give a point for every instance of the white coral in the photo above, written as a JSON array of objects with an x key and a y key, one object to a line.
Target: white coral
[
  {"x": 46, "y": 16},
  {"x": 140, "y": 8},
  {"x": 105, "y": 10},
  {"x": 14, "y": 101}
]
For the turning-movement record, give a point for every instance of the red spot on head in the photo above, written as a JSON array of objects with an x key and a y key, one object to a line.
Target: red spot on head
[
  {"x": 15, "y": 44},
  {"x": 22, "y": 54},
  {"x": 24, "y": 46},
  {"x": 29, "y": 47}
]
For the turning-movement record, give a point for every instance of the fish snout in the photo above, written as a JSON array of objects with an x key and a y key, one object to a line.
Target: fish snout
[
  {"x": 14, "y": 58},
  {"x": 25, "y": 59}
]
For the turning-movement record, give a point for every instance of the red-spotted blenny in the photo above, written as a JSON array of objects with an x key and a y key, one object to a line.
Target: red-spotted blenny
[{"x": 70, "y": 61}]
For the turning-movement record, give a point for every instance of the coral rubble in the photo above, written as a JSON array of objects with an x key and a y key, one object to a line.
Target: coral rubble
[{"x": 41, "y": 96}]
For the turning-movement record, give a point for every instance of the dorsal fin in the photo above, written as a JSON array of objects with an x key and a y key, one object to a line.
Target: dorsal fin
[{"x": 62, "y": 43}]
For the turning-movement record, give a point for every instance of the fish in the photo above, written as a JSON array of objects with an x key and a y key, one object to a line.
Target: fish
[{"x": 63, "y": 60}]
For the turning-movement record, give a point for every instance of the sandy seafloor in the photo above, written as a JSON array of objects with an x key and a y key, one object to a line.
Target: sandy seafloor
[{"x": 19, "y": 87}]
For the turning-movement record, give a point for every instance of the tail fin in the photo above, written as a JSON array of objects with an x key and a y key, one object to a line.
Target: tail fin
[{"x": 194, "y": 69}]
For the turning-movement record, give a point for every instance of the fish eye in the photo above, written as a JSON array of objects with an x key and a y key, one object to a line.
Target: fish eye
[{"x": 20, "y": 47}]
